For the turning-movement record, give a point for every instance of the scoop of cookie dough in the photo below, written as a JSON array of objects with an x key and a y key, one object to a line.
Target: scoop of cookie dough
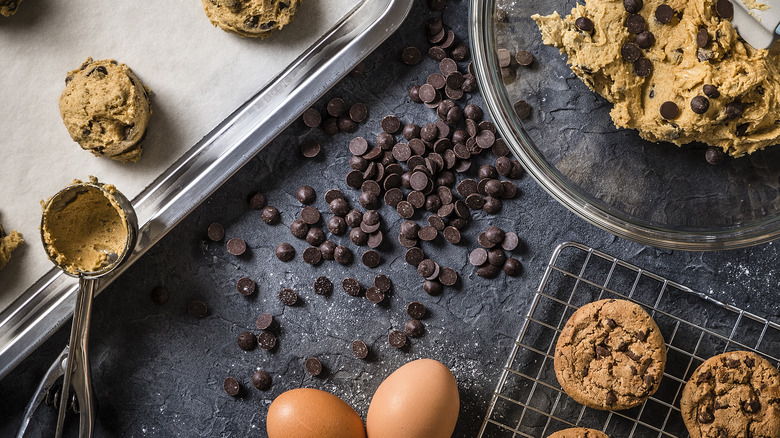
[
  {"x": 674, "y": 70},
  {"x": 7, "y": 245},
  {"x": 106, "y": 109},
  {"x": 578, "y": 432},
  {"x": 8, "y": 7},
  {"x": 250, "y": 18}
]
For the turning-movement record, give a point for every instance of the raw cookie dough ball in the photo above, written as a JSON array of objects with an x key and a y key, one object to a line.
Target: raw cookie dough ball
[
  {"x": 610, "y": 355},
  {"x": 578, "y": 432},
  {"x": 735, "y": 394},
  {"x": 7, "y": 245},
  {"x": 8, "y": 7},
  {"x": 106, "y": 109},
  {"x": 250, "y": 18}
]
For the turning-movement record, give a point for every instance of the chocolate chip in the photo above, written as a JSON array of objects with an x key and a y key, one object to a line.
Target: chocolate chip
[
  {"x": 310, "y": 215},
  {"x": 313, "y": 366},
  {"x": 231, "y": 386},
  {"x": 711, "y": 91},
  {"x": 602, "y": 351},
  {"x": 584, "y": 24},
  {"x": 247, "y": 341},
  {"x": 733, "y": 110},
  {"x": 649, "y": 380},
  {"x": 261, "y": 380},
  {"x": 374, "y": 295},
  {"x": 336, "y": 107},
  {"x": 635, "y": 23},
  {"x": 611, "y": 398},
  {"x": 496, "y": 257},
  {"x": 266, "y": 340},
  {"x": 642, "y": 335},
  {"x": 236, "y": 246},
  {"x": 460, "y": 52},
  {"x": 452, "y": 235},
  {"x": 270, "y": 215},
  {"x": 288, "y": 297},
  {"x": 414, "y": 328},
  {"x": 703, "y": 37},
  {"x": 197, "y": 309},
  {"x": 416, "y": 199},
  {"x": 411, "y": 56},
  {"x": 478, "y": 257},
  {"x": 312, "y": 118},
  {"x": 358, "y": 146},
  {"x": 245, "y": 286},
  {"x": 664, "y": 14},
  {"x": 414, "y": 256},
  {"x": 216, "y": 232},
  {"x": 643, "y": 67},
  {"x": 343, "y": 255},
  {"x": 669, "y": 110},
  {"x": 512, "y": 267},
  {"x": 306, "y": 195},
  {"x": 359, "y": 349},
  {"x": 630, "y": 53},
  {"x": 391, "y": 124},
  {"x": 316, "y": 236},
  {"x": 488, "y": 271},
  {"x": 633, "y": 6},
  {"x": 751, "y": 406},
  {"x": 427, "y": 268},
  {"x": 299, "y": 228},
  {"x": 264, "y": 321},
  {"x": 396, "y": 339},
  {"x": 511, "y": 241},
  {"x": 159, "y": 295},
  {"x": 371, "y": 258},
  {"x": 504, "y": 57},
  {"x": 492, "y": 205},
  {"x": 645, "y": 39},
  {"x": 522, "y": 109},
  {"x": 310, "y": 149},
  {"x": 358, "y": 112},
  {"x": 724, "y": 9},
  {"x": 285, "y": 252},
  {"x": 524, "y": 57},
  {"x": 351, "y": 286},
  {"x": 448, "y": 276},
  {"x": 427, "y": 233},
  {"x": 750, "y": 362},
  {"x": 700, "y": 104},
  {"x": 705, "y": 416},
  {"x": 312, "y": 255}
]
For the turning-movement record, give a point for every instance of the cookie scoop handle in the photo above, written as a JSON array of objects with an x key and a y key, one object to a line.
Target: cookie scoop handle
[{"x": 760, "y": 28}]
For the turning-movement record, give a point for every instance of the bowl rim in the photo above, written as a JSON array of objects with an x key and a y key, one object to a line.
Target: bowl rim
[{"x": 598, "y": 213}]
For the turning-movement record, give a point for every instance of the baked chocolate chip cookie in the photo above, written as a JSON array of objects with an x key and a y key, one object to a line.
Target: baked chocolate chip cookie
[
  {"x": 8, "y": 7},
  {"x": 610, "y": 355},
  {"x": 250, "y": 18},
  {"x": 578, "y": 432},
  {"x": 106, "y": 109},
  {"x": 734, "y": 395}
]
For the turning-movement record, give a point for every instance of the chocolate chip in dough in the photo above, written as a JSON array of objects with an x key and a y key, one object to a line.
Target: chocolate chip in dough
[
  {"x": 635, "y": 24},
  {"x": 711, "y": 91},
  {"x": 733, "y": 110},
  {"x": 633, "y": 6},
  {"x": 231, "y": 386},
  {"x": 703, "y": 37},
  {"x": 669, "y": 110},
  {"x": 645, "y": 39},
  {"x": 643, "y": 67},
  {"x": 630, "y": 52},
  {"x": 664, "y": 14},
  {"x": 261, "y": 380},
  {"x": 700, "y": 104},
  {"x": 584, "y": 24},
  {"x": 724, "y": 9}
]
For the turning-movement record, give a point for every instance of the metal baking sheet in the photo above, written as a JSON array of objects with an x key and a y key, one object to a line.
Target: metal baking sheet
[{"x": 46, "y": 304}]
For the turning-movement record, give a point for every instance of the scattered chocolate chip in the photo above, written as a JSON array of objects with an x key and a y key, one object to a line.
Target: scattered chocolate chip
[
  {"x": 358, "y": 146},
  {"x": 288, "y": 297},
  {"x": 448, "y": 276},
  {"x": 316, "y": 236},
  {"x": 257, "y": 201},
  {"x": 231, "y": 386},
  {"x": 504, "y": 57},
  {"x": 460, "y": 52},
  {"x": 312, "y": 118},
  {"x": 305, "y": 195},
  {"x": 343, "y": 255},
  {"x": 427, "y": 233},
  {"x": 159, "y": 295},
  {"x": 374, "y": 295},
  {"x": 285, "y": 252},
  {"x": 264, "y": 321},
  {"x": 236, "y": 246},
  {"x": 270, "y": 215},
  {"x": 433, "y": 287},
  {"x": 724, "y": 9},
  {"x": 488, "y": 271},
  {"x": 496, "y": 257},
  {"x": 416, "y": 310},
  {"x": 522, "y": 109},
  {"x": 197, "y": 309},
  {"x": 643, "y": 67},
  {"x": 245, "y": 286},
  {"x": 512, "y": 267},
  {"x": 299, "y": 228},
  {"x": 371, "y": 258},
  {"x": 452, "y": 235},
  {"x": 391, "y": 124},
  {"x": 524, "y": 57},
  {"x": 310, "y": 149},
  {"x": 314, "y": 366},
  {"x": 414, "y": 256},
  {"x": 664, "y": 14},
  {"x": 411, "y": 56},
  {"x": 511, "y": 241},
  {"x": 310, "y": 215},
  {"x": 312, "y": 255},
  {"x": 492, "y": 205},
  {"x": 478, "y": 257},
  {"x": 266, "y": 340},
  {"x": 700, "y": 104},
  {"x": 351, "y": 286},
  {"x": 584, "y": 24},
  {"x": 669, "y": 110},
  {"x": 247, "y": 341},
  {"x": 261, "y": 380},
  {"x": 414, "y": 328},
  {"x": 359, "y": 349},
  {"x": 216, "y": 232},
  {"x": 645, "y": 39},
  {"x": 358, "y": 112},
  {"x": 396, "y": 339}
]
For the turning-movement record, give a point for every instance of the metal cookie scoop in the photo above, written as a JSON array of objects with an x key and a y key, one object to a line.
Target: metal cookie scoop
[
  {"x": 73, "y": 362},
  {"x": 757, "y": 21}
]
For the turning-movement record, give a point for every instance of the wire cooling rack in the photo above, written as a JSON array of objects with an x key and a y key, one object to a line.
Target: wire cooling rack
[{"x": 528, "y": 402}]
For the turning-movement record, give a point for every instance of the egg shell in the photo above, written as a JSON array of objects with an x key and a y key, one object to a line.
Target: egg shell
[
  {"x": 311, "y": 413},
  {"x": 418, "y": 400}
]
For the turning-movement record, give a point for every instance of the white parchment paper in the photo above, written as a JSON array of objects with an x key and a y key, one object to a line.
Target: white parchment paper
[{"x": 198, "y": 75}]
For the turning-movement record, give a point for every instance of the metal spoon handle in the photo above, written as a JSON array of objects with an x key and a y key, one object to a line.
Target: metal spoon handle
[{"x": 77, "y": 372}]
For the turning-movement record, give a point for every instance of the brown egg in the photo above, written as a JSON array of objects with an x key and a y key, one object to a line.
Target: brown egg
[
  {"x": 419, "y": 400},
  {"x": 311, "y": 413}
]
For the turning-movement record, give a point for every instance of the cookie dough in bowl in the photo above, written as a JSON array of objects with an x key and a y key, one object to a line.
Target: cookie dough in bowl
[
  {"x": 8, "y": 7},
  {"x": 674, "y": 70},
  {"x": 106, "y": 109},
  {"x": 250, "y": 18},
  {"x": 8, "y": 243}
]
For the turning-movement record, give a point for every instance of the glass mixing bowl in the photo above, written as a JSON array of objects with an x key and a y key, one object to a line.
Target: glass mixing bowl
[{"x": 652, "y": 193}]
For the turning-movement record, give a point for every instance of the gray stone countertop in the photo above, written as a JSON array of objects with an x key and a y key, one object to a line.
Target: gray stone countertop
[{"x": 158, "y": 372}]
